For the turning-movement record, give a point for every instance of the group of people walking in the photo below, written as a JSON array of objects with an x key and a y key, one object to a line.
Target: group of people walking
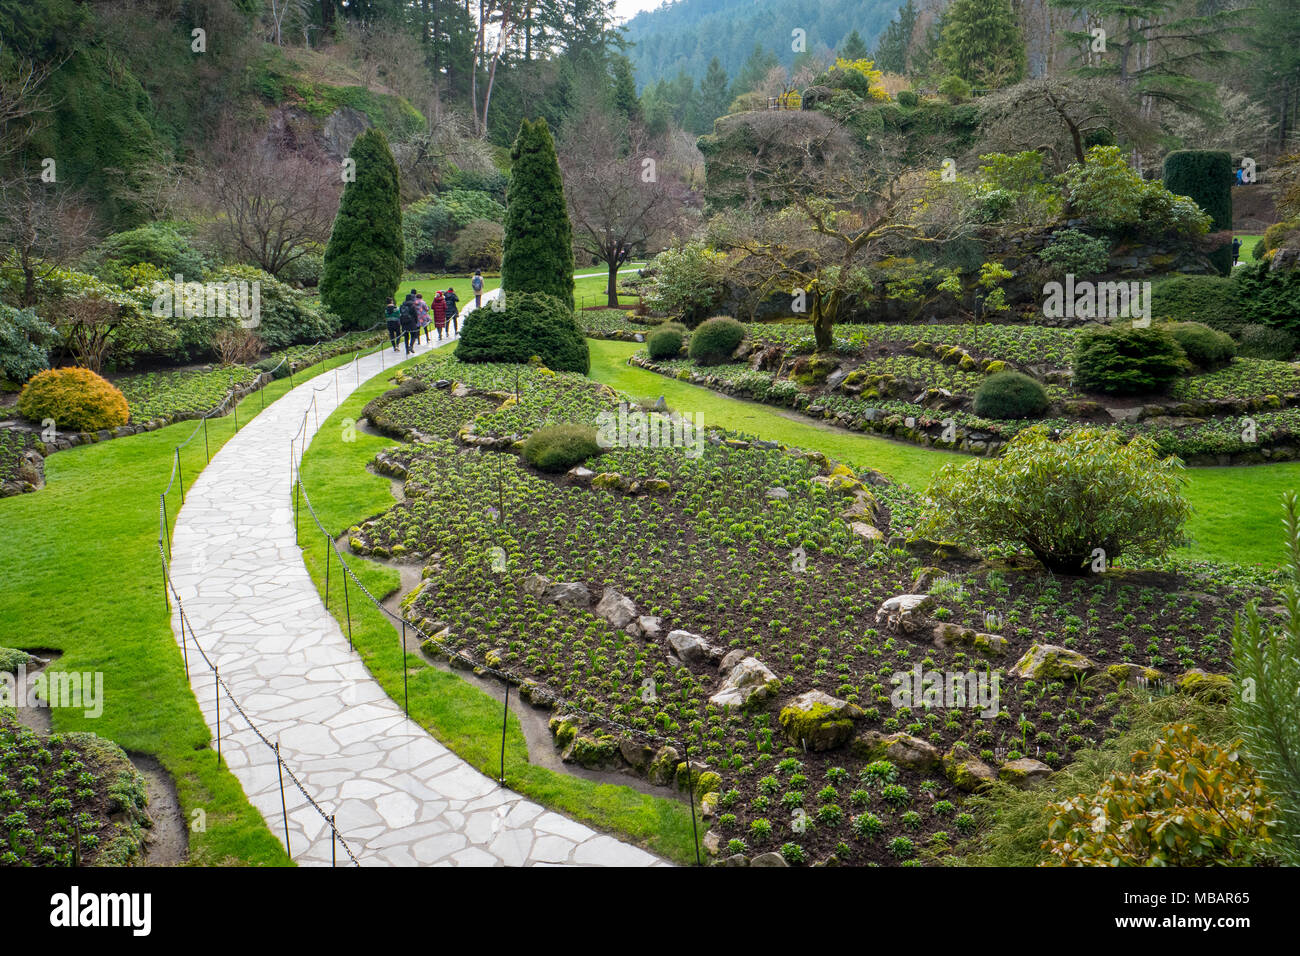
[{"x": 405, "y": 322}]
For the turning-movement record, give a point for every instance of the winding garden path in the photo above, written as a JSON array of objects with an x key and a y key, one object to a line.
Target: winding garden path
[{"x": 399, "y": 797}]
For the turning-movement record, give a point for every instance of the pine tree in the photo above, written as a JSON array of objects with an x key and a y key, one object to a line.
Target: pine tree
[
  {"x": 853, "y": 47},
  {"x": 538, "y": 246},
  {"x": 982, "y": 43},
  {"x": 363, "y": 261},
  {"x": 624, "y": 93},
  {"x": 714, "y": 94},
  {"x": 893, "y": 46}
]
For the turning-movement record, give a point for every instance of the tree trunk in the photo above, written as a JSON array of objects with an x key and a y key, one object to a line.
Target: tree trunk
[
  {"x": 611, "y": 290},
  {"x": 823, "y": 322}
]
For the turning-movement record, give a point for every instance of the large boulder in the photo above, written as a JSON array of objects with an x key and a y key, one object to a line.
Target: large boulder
[
  {"x": 747, "y": 683},
  {"x": 818, "y": 721},
  {"x": 691, "y": 648},
  {"x": 904, "y": 611},
  {"x": 947, "y": 636},
  {"x": 569, "y": 594},
  {"x": 1216, "y": 688},
  {"x": 663, "y": 767},
  {"x": 1049, "y": 662},
  {"x": 616, "y": 608},
  {"x": 901, "y": 749},
  {"x": 966, "y": 771}
]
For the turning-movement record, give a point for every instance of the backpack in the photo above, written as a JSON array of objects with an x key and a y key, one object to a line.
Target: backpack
[
  {"x": 477, "y": 284},
  {"x": 407, "y": 312}
]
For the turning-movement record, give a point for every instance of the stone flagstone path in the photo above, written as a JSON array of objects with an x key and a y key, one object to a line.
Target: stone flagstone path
[{"x": 399, "y": 797}]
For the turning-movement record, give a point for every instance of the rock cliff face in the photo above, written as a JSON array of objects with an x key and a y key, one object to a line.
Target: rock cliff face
[{"x": 292, "y": 130}]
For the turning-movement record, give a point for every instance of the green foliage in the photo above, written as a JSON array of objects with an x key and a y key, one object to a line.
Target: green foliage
[
  {"x": 288, "y": 316},
  {"x": 1010, "y": 395},
  {"x": 1262, "y": 342},
  {"x": 664, "y": 344},
  {"x": 714, "y": 341},
  {"x": 363, "y": 261},
  {"x": 560, "y": 447},
  {"x": 306, "y": 270},
  {"x": 426, "y": 226},
  {"x": 477, "y": 247},
  {"x": 1062, "y": 498},
  {"x": 981, "y": 43},
  {"x": 1077, "y": 253},
  {"x": 1205, "y": 176},
  {"x": 1127, "y": 360},
  {"x": 1266, "y": 658},
  {"x": 530, "y": 324},
  {"x": 25, "y": 342},
  {"x": 157, "y": 244},
  {"x": 687, "y": 282},
  {"x": 1215, "y": 301},
  {"x": 1112, "y": 196},
  {"x": 1186, "y": 803},
  {"x": 1204, "y": 347},
  {"x": 75, "y": 398},
  {"x": 1270, "y": 296},
  {"x": 908, "y": 98},
  {"x": 954, "y": 89},
  {"x": 538, "y": 245}
]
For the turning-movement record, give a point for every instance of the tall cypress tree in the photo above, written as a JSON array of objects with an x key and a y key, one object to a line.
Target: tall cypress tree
[
  {"x": 982, "y": 43},
  {"x": 363, "y": 261},
  {"x": 538, "y": 248}
]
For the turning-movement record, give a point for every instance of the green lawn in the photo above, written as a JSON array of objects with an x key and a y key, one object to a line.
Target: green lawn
[
  {"x": 461, "y": 716},
  {"x": 82, "y": 576},
  {"x": 1236, "y": 511},
  {"x": 1248, "y": 243},
  {"x": 586, "y": 291}
]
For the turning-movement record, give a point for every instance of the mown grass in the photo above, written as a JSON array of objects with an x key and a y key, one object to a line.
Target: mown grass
[
  {"x": 1236, "y": 513},
  {"x": 461, "y": 716},
  {"x": 82, "y": 575}
]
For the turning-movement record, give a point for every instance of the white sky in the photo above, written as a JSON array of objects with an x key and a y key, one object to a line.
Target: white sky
[{"x": 627, "y": 9}]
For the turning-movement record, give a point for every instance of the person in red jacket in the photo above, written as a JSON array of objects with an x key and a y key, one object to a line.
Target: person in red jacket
[{"x": 439, "y": 314}]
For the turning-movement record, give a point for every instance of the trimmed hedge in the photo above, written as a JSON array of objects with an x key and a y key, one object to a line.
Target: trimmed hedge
[
  {"x": 1126, "y": 360},
  {"x": 560, "y": 447},
  {"x": 76, "y": 398},
  {"x": 664, "y": 344},
  {"x": 715, "y": 340},
  {"x": 1262, "y": 342},
  {"x": 1205, "y": 175},
  {"x": 1204, "y": 346},
  {"x": 531, "y": 323},
  {"x": 1215, "y": 301},
  {"x": 1010, "y": 395}
]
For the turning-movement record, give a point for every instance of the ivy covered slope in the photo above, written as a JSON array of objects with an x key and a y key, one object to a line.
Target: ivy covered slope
[{"x": 740, "y": 600}]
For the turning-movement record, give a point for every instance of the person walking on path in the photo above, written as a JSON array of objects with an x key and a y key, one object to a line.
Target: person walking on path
[
  {"x": 453, "y": 314},
  {"x": 422, "y": 312},
  {"x": 393, "y": 317},
  {"x": 477, "y": 284},
  {"x": 439, "y": 314},
  {"x": 410, "y": 321}
]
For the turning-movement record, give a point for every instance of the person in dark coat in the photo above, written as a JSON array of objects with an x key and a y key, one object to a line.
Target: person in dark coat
[
  {"x": 393, "y": 318},
  {"x": 439, "y": 314},
  {"x": 410, "y": 322},
  {"x": 453, "y": 314}
]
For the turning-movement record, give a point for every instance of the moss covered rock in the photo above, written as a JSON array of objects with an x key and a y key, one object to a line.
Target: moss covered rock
[
  {"x": 947, "y": 635},
  {"x": 1024, "y": 773},
  {"x": 663, "y": 767},
  {"x": 966, "y": 771},
  {"x": 1049, "y": 662},
  {"x": 1216, "y": 688},
  {"x": 1121, "y": 674},
  {"x": 819, "y": 721},
  {"x": 901, "y": 749}
]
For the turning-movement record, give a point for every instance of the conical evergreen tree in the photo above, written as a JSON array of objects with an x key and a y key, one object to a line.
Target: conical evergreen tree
[
  {"x": 538, "y": 248},
  {"x": 363, "y": 261},
  {"x": 853, "y": 47},
  {"x": 982, "y": 43}
]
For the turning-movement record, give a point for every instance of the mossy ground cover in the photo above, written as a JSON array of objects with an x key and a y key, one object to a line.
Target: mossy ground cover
[
  {"x": 152, "y": 395},
  {"x": 710, "y": 552},
  {"x": 12, "y": 446},
  {"x": 84, "y": 578},
  {"x": 461, "y": 716}
]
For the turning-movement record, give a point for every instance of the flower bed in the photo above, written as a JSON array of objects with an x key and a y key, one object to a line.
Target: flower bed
[{"x": 155, "y": 395}]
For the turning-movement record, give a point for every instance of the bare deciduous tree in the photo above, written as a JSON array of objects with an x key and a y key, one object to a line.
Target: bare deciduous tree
[
  {"x": 46, "y": 226},
  {"x": 621, "y": 198}
]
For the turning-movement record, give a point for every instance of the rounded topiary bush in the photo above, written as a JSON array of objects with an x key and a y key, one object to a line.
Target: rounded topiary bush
[
  {"x": 560, "y": 447},
  {"x": 665, "y": 344},
  {"x": 1127, "y": 360},
  {"x": 76, "y": 398},
  {"x": 714, "y": 341},
  {"x": 1203, "y": 345},
  {"x": 1010, "y": 395},
  {"x": 529, "y": 324},
  {"x": 1212, "y": 300}
]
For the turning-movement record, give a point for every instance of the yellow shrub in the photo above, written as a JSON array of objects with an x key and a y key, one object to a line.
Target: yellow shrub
[{"x": 76, "y": 398}]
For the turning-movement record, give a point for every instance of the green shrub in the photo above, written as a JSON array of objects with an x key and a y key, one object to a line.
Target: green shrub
[
  {"x": 477, "y": 246},
  {"x": 664, "y": 344},
  {"x": 305, "y": 270},
  {"x": 1212, "y": 300},
  {"x": 714, "y": 341},
  {"x": 1204, "y": 347},
  {"x": 538, "y": 248},
  {"x": 687, "y": 281},
  {"x": 1114, "y": 197},
  {"x": 25, "y": 341},
  {"x": 908, "y": 98},
  {"x": 560, "y": 447},
  {"x": 954, "y": 89},
  {"x": 286, "y": 316},
  {"x": 1063, "y": 497},
  {"x": 1275, "y": 235},
  {"x": 1077, "y": 253},
  {"x": 1127, "y": 360},
  {"x": 1010, "y": 395},
  {"x": 76, "y": 398},
  {"x": 158, "y": 244},
  {"x": 1270, "y": 296},
  {"x": 1262, "y": 342},
  {"x": 530, "y": 323}
]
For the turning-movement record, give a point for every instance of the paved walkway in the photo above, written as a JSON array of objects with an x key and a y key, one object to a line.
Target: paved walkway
[{"x": 399, "y": 797}]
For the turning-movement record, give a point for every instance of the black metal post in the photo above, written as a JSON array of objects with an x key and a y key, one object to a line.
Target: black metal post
[
  {"x": 216, "y": 690},
  {"x": 328, "y": 547},
  {"x": 347, "y": 607},
  {"x": 284, "y": 811},
  {"x": 235, "y": 408},
  {"x": 690, "y": 789},
  {"x": 166, "y": 526},
  {"x": 406, "y": 687},
  {"x": 179, "y": 475},
  {"x": 167, "y": 601},
  {"x": 185, "y": 646},
  {"x": 206, "y": 450},
  {"x": 505, "y": 718},
  {"x": 334, "y": 842},
  {"x": 297, "y": 493}
]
